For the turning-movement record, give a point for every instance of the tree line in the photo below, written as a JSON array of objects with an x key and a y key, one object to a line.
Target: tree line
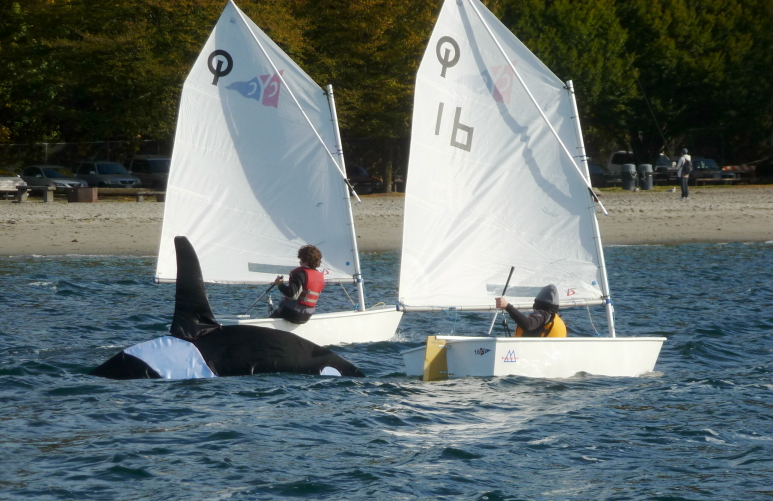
[{"x": 651, "y": 75}]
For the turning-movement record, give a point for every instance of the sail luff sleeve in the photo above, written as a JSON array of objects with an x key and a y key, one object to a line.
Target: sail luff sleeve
[
  {"x": 339, "y": 144},
  {"x": 353, "y": 233}
]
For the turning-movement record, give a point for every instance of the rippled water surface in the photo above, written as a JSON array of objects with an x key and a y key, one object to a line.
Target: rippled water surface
[{"x": 699, "y": 427}]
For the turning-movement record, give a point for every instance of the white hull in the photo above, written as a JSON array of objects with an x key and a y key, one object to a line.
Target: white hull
[
  {"x": 542, "y": 357},
  {"x": 370, "y": 326}
]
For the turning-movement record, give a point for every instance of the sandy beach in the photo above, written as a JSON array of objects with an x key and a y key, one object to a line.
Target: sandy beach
[{"x": 716, "y": 214}]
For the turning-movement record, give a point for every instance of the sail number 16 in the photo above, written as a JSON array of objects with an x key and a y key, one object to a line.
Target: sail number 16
[{"x": 446, "y": 60}]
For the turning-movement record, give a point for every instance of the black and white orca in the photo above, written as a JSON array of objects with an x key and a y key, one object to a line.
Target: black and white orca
[{"x": 198, "y": 347}]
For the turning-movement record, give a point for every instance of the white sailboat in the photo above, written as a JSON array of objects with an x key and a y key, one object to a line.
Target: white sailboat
[
  {"x": 498, "y": 178},
  {"x": 257, "y": 172}
]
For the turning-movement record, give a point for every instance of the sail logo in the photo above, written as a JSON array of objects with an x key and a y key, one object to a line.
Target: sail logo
[
  {"x": 510, "y": 357},
  {"x": 570, "y": 292},
  {"x": 225, "y": 63},
  {"x": 499, "y": 81},
  {"x": 264, "y": 89},
  {"x": 481, "y": 351},
  {"x": 444, "y": 56}
]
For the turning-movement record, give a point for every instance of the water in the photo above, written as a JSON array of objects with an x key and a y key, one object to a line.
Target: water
[{"x": 700, "y": 427}]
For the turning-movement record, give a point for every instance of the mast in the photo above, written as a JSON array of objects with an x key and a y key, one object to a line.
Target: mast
[
  {"x": 533, "y": 100},
  {"x": 342, "y": 165},
  {"x": 592, "y": 208}
]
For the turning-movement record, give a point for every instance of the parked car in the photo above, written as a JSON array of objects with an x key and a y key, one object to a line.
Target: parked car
[
  {"x": 599, "y": 177},
  {"x": 51, "y": 175},
  {"x": 363, "y": 183},
  {"x": 617, "y": 160},
  {"x": 106, "y": 174},
  {"x": 153, "y": 170},
  {"x": 664, "y": 167},
  {"x": 9, "y": 182},
  {"x": 707, "y": 168}
]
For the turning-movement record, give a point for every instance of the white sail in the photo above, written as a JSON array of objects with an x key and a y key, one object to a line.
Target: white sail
[
  {"x": 489, "y": 184},
  {"x": 252, "y": 176}
]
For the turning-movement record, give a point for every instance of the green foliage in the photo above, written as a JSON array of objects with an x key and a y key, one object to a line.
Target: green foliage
[
  {"x": 370, "y": 51},
  {"x": 585, "y": 43},
  {"x": 650, "y": 73},
  {"x": 91, "y": 70},
  {"x": 705, "y": 66}
]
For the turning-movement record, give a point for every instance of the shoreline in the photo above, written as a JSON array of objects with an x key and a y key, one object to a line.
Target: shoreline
[{"x": 656, "y": 217}]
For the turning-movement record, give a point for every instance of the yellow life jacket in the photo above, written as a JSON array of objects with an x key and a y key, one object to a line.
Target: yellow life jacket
[{"x": 555, "y": 328}]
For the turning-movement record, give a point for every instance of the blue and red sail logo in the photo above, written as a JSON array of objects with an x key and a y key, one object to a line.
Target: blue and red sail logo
[
  {"x": 499, "y": 80},
  {"x": 264, "y": 89},
  {"x": 510, "y": 357}
]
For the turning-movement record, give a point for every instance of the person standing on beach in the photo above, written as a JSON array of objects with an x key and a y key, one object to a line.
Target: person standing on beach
[
  {"x": 303, "y": 288},
  {"x": 543, "y": 321},
  {"x": 683, "y": 170}
]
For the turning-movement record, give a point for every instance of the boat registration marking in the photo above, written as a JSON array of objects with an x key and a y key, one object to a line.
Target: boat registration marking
[{"x": 510, "y": 357}]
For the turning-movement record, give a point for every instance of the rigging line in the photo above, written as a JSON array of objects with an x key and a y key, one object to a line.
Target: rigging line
[
  {"x": 347, "y": 293},
  {"x": 292, "y": 95},
  {"x": 454, "y": 318},
  {"x": 591, "y": 321},
  {"x": 505, "y": 326},
  {"x": 534, "y": 101},
  {"x": 665, "y": 143}
]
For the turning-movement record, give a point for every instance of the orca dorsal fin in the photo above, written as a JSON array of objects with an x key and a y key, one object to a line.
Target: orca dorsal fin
[{"x": 193, "y": 316}]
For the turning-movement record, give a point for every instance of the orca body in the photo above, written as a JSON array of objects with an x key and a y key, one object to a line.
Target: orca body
[{"x": 199, "y": 347}]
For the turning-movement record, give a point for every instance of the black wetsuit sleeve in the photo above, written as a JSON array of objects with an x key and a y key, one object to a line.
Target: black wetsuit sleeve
[
  {"x": 294, "y": 286},
  {"x": 533, "y": 321}
]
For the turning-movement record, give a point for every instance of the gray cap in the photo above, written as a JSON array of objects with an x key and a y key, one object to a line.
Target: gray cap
[
  {"x": 548, "y": 294},
  {"x": 684, "y": 151}
]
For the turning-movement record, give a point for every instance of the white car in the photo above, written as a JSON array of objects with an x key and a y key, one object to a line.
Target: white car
[{"x": 9, "y": 182}]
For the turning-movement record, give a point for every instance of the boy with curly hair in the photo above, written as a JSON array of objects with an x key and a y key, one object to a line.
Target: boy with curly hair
[{"x": 303, "y": 287}]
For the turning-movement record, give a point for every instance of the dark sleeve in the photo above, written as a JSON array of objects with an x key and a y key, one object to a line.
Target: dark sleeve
[
  {"x": 533, "y": 321},
  {"x": 294, "y": 286}
]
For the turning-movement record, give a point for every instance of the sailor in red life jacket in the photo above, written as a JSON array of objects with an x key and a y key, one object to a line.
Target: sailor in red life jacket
[{"x": 303, "y": 288}]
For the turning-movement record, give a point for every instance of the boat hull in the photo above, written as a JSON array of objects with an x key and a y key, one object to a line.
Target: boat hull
[
  {"x": 370, "y": 326},
  {"x": 541, "y": 357}
]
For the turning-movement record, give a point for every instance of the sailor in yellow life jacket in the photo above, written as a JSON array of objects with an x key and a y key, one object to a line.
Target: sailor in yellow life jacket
[{"x": 543, "y": 321}]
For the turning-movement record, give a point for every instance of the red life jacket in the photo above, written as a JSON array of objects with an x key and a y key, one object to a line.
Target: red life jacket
[{"x": 315, "y": 282}]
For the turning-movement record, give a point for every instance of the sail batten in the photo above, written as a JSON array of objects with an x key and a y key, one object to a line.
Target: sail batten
[{"x": 490, "y": 184}]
